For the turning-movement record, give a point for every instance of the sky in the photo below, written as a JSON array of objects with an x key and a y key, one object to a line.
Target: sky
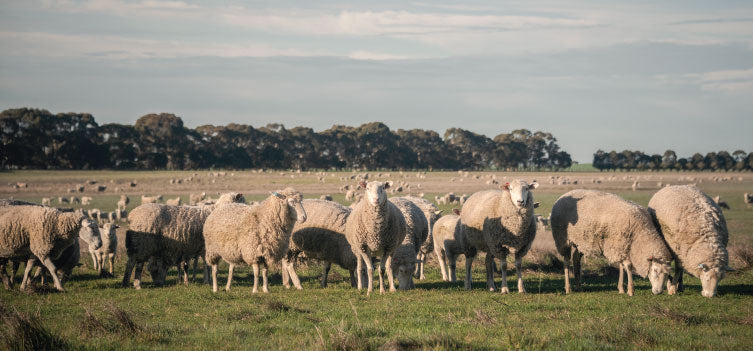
[{"x": 611, "y": 75}]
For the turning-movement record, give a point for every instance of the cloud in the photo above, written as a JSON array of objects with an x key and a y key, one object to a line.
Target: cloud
[{"x": 731, "y": 81}]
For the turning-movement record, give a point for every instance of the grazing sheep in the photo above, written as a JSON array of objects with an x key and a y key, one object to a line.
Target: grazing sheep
[
  {"x": 196, "y": 198},
  {"x": 46, "y": 201},
  {"x": 695, "y": 231},
  {"x": 253, "y": 235},
  {"x": 101, "y": 188},
  {"x": 416, "y": 232},
  {"x": 448, "y": 244},
  {"x": 150, "y": 199},
  {"x": 375, "y": 227},
  {"x": 321, "y": 237},
  {"x": 123, "y": 202},
  {"x": 432, "y": 213},
  {"x": 173, "y": 202},
  {"x": 33, "y": 232},
  {"x": 107, "y": 250},
  {"x": 167, "y": 235},
  {"x": 62, "y": 200},
  {"x": 503, "y": 220},
  {"x": 326, "y": 197},
  {"x": 600, "y": 224},
  {"x": 86, "y": 200}
]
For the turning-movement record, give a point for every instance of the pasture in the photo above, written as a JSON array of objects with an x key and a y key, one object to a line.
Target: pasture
[{"x": 97, "y": 313}]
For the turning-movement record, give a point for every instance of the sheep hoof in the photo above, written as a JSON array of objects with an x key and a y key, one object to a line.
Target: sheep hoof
[{"x": 505, "y": 290}]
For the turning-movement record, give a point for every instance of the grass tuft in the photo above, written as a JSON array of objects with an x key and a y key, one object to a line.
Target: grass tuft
[
  {"x": 741, "y": 255},
  {"x": 91, "y": 325},
  {"x": 677, "y": 316},
  {"x": 124, "y": 321},
  {"x": 25, "y": 332}
]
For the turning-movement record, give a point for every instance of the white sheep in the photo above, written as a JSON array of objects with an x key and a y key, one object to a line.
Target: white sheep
[
  {"x": 46, "y": 201},
  {"x": 107, "y": 250},
  {"x": 695, "y": 231},
  {"x": 86, "y": 200},
  {"x": 599, "y": 224},
  {"x": 123, "y": 202},
  {"x": 321, "y": 237},
  {"x": 432, "y": 213},
  {"x": 254, "y": 235},
  {"x": 166, "y": 235},
  {"x": 150, "y": 199},
  {"x": 375, "y": 227},
  {"x": 195, "y": 198},
  {"x": 416, "y": 233},
  {"x": 33, "y": 231},
  {"x": 173, "y": 202},
  {"x": 448, "y": 244},
  {"x": 503, "y": 220}
]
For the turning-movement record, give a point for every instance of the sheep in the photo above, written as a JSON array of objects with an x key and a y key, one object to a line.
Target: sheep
[
  {"x": 46, "y": 201},
  {"x": 173, "y": 202},
  {"x": 721, "y": 203},
  {"x": 101, "y": 188},
  {"x": 695, "y": 231},
  {"x": 321, "y": 237},
  {"x": 504, "y": 221},
  {"x": 748, "y": 199},
  {"x": 600, "y": 224},
  {"x": 416, "y": 233},
  {"x": 107, "y": 250},
  {"x": 168, "y": 235},
  {"x": 375, "y": 227},
  {"x": 150, "y": 199},
  {"x": 326, "y": 197},
  {"x": 254, "y": 235},
  {"x": 448, "y": 244},
  {"x": 123, "y": 202},
  {"x": 62, "y": 200},
  {"x": 68, "y": 260},
  {"x": 195, "y": 198},
  {"x": 432, "y": 213},
  {"x": 86, "y": 200},
  {"x": 33, "y": 231}
]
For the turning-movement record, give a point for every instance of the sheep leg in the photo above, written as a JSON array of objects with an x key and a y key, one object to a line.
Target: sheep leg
[
  {"x": 137, "y": 275},
  {"x": 214, "y": 277},
  {"x": 452, "y": 263},
  {"x": 678, "y": 276},
  {"x": 111, "y": 259},
  {"x": 621, "y": 280},
  {"x": 195, "y": 268},
  {"x": 229, "y": 277},
  {"x": 265, "y": 286},
  {"x": 629, "y": 273},
  {"x": 293, "y": 275},
  {"x": 388, "y": 270},
  {"x": 359, "y": 272},
  {"x": 468, "y": 279},
  {"x": 416, "y": 271},
  {"x": 255, "y": 267},
  {"x": 325, "y": 273},
  {"x": 184, "y": 268},
  {"x": 353, "y": 282},
  {"x": 489, "y": 263},
  {"x": 128, "y": 269},
  {"x": 577, "y": 270},
  {"x": 369, "y": 272},
  {"x": 504, "y": 289},
  {"x": 380, "y": 273},
  {"x": 27, "y": 271},
  {"x": 519, "y": 273},
  {"x": 566, "y": 263},
  {"x": 285, "y": 273},
  {"x": 95, "y": 261},
  {"x": 7, "y": 282},
  {"x": 47, "y": 262},
  {"x": 442, "y": 264}
]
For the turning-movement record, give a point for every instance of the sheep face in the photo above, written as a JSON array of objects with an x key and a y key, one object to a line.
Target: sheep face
[
  {"x": 158, "y": 270},
  {"x": 710, "y": 277},
  {"x": 90, "y": 233},
  {"x": 405, "y": 276},
  {"x": 375, "y": 193},
  {"x": 295, "y": 204},
  {"x": 519, "y": 190},
  {"x": 658, "y": 274}
]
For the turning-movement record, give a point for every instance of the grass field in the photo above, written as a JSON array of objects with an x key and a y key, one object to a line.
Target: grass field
[{"x": 97, "y": 313}]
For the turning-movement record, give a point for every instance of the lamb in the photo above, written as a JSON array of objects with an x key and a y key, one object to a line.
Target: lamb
[
  {"x": 448, "y": 244},
  {"x": 123, "y": 202},
  {"x": 321, "y": 237},
  {"x": 432, "y": 213},
  {"x": 253, "y": 235},
  {"x": 695, "y": 231},
  {"x": 375, "y": 227},
  {"x": 107, "y": 250},
  {"x": 33, "y": 231},
  {"x": 503, "y": 221},
  {"x": 416, "y": 233},
  {"x": 168, "y": 235},
  {"x": 173, "y": 202},
  {"x": 600, "y": 224}
]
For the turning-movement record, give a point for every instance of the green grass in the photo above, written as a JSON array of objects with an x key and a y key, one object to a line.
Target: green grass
[{"x": 98, "y": 314}]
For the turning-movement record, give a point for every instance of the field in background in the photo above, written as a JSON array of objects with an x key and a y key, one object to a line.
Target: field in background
[{"x": 96, "y": 313}]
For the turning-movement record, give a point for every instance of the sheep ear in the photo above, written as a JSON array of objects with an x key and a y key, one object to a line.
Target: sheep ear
[
  {"x": 456, "y": 211},
  {"x": 533, "y": 185},
  {"x": 278, "y": 195},
  {"x": 536, "y": 204},
  {"x": 506, "y": 186},
  {"x": 362, "y": 184}
]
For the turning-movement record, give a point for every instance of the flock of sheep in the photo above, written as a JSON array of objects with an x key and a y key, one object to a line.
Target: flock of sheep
[{"x": 389, "y": 235}]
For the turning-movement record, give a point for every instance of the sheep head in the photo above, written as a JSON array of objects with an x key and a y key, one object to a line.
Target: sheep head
[
  {"x": 710, "y": 277},
  {"x": 293, "y": 199},
  {"x": 519, "y": 190},
  {"x": 90, "y": 233},
  {"x": 658, "y": 275},
  {"x": 375, "y": 194}
]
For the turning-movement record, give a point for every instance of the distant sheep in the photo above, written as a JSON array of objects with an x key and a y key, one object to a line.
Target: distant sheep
[
  {"x": 86, "y": 200},
  {"x": 107, "y": 250},
  {"x": 173, "y": 202},
  {"x": 448, "y": 244},
  {"x": 600, "y": 224},
  {"x": 748, "y": 199},
  {"x": 123, "y": 202},
  {"x": 150, "y": 199},
  {"x": 695, "y": 231},
  {"x": 416, "y": 232},
  {"x": 254, "y": 235},
  {"x": 432, "y": 213},
  {"x": 196, "y": 198},
  {"x": 326, "y": 197},
  {"x": 46, "y": 201}
]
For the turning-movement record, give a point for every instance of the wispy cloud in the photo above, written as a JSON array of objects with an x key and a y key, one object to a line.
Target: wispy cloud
[{"x": 731, "y": 81}]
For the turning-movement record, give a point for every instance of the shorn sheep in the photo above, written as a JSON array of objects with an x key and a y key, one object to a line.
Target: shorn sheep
[
  {"x": 375, "y": 228},
  {"x": 32, "y": 231},
  {"x": 502, "y": 222},
  {"x": 256, "y": 235},
  {"x": 599, "y": 224},
  {"x": 695, "y": 231},
  {"x": 432, "y": 214},
  {"x": 168, "y": 235},
  {"x": 416, "y": 232},
  {"x": 448, "y": 244},
  {"x": 107, "y": 250},
  {"x": 321, "y": 237}
]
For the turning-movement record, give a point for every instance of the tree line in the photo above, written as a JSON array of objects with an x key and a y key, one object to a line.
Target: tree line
[
  {"x": 38, "y": 139},
  {"x": 628, "y": 160}
]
